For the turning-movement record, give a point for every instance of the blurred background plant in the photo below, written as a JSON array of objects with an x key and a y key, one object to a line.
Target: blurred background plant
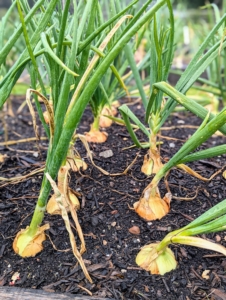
[
  {"x": 210, "y": 88},
  {"x": 11, "y": 46}
]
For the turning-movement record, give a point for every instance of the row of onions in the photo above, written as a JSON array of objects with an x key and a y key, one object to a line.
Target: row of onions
[{"x": 76, "y": 56}]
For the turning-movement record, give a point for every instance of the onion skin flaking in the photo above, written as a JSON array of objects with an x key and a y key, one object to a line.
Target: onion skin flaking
[
  {"x": 152, "y": 162},
  {"x": 151, "y": 206},
  {"x": 28, "y": 245},
  {"x": 105, "y": 122},
  {"x": 156, "y": 262},
  {"x": 96, "y": 136},
  {"x": 53, "y": 208}
]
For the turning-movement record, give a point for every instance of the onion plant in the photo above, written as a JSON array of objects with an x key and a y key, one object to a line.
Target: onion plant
[
  {"x": 158, "y": 258},
  {"x": 105, "y": 94},
  {"x": 104, "y": 101},
  {"x": 151, "y": 206},
  {"x": 161, "y": 43},
  {"x": 102, "y": 106},
  {"x": 118, "y": 80},
  {"x": 61, "y": 45},
  {"x": 158, "y": 111}
]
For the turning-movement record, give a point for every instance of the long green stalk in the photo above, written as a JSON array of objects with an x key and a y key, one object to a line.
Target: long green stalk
[
  {"x": 197, "y": 139},
  {"x": 188, "y": 103},
  {"x": 203, "y": 154},
  {"x": 74, "y": 115},
  {"x": 160, "y": 45}
]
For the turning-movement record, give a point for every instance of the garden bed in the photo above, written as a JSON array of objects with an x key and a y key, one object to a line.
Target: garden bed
[{"x": 106, "y": 218}]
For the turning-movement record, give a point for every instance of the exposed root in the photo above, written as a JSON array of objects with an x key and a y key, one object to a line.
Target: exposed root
[
  {"x": 14, "y": 180},
  {"x": 14, "y": 142}
]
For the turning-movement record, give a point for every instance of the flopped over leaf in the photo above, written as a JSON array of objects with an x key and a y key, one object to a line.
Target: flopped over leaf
[{"x": 197, "y": 242}]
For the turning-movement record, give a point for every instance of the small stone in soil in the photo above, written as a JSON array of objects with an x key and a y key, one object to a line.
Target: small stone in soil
[
  {"x": 172, "y": 145},
  {"x": 35, "y": 154},
  {"x": 134, "y": 230},
  {"x": 106, "y": 153},
  {"x": 135, "y": 241}
]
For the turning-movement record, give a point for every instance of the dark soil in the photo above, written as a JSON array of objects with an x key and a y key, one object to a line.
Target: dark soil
[{"x": 106, "y": 218}]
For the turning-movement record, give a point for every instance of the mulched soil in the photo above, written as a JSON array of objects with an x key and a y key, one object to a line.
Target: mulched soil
[{"x": 106, "y": 218}]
